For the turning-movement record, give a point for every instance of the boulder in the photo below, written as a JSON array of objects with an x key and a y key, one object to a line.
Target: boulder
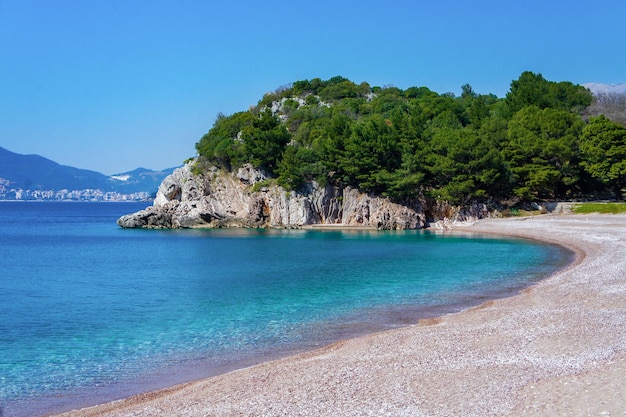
[{"x": 150, "y": 218}]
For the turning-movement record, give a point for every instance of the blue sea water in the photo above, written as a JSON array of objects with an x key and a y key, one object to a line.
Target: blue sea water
[{"x": 90, "y": 312}]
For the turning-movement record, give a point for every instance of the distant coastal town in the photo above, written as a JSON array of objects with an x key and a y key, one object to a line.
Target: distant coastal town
[{"x": 8, "y": 193}]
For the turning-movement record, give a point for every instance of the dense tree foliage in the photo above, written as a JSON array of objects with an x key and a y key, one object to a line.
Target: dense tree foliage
[
  {"x": 541, "y": 151},
  {"x": 532, "y": 89},
  {"x": 603, "y": 147},
  {"x": 531, "y": 145},
  {"x": 222, "y": 145}
]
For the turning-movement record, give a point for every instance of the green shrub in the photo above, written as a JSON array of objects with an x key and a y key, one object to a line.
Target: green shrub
[
  {"x": 602, "y": 208},
  {"x": 265, "y": 183}
]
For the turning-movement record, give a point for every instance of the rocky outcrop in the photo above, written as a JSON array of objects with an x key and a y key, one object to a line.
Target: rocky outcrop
[
  {"x": 442, "y": 210},
  {"x": 244, "y": 198}
]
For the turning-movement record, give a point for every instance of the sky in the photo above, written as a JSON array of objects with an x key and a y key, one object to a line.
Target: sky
[{"x": 113, "y": 85}]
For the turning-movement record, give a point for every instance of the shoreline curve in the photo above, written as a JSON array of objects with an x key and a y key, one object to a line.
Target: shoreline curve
[{"x": 557, "y": 348}]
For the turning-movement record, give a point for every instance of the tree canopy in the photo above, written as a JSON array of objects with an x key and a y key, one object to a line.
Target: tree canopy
[
  {"x": 603, "y": 147},
  {"x": 531, "y": 145}
]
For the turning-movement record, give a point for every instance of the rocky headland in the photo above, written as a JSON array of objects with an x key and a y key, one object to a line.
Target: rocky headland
[{"x": 216, "y": 198}]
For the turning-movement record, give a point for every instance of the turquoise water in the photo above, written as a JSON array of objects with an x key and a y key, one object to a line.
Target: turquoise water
[{"x": 91, "y": 312}]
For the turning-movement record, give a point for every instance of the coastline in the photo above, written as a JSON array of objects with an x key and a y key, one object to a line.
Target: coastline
[
  {"x": 338, "y": 226},
  {"x": 558, "y": 348}
]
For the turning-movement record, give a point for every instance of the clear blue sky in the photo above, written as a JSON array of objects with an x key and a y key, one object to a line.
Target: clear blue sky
[{"x": 111, "y": 85}]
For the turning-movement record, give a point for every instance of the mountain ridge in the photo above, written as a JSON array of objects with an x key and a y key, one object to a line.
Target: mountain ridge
[
  {"x": 600, "y": 88},
  {"x": 38, "y": 173}
]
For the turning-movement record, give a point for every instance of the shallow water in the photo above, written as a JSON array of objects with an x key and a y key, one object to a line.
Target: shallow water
[{"x": 91, "y": 312}]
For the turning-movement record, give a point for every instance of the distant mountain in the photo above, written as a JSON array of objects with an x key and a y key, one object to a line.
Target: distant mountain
[
  {"x": 597, "y": 88},
  {"x": 140, "y": 179},
  {"x": 34, "y": 172}
]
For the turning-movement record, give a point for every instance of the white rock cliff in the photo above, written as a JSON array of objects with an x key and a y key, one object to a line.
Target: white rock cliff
[{"x": 218, "y": 198}]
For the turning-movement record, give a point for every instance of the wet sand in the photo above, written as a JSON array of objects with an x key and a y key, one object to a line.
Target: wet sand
[{"x": 556, "y": 349}]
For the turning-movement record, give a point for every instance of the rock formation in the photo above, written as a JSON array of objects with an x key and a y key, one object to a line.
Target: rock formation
[{"x": 246, "y": 198}]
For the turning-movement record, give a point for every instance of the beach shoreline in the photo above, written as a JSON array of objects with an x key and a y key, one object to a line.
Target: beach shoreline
[{"x": 558, "y": 348}]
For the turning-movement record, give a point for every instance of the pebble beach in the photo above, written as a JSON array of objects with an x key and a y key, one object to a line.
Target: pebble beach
[{"x": 556, "y": 349}]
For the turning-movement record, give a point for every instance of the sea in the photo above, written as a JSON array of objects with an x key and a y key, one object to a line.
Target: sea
[{"x": 91, "y": 312}]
